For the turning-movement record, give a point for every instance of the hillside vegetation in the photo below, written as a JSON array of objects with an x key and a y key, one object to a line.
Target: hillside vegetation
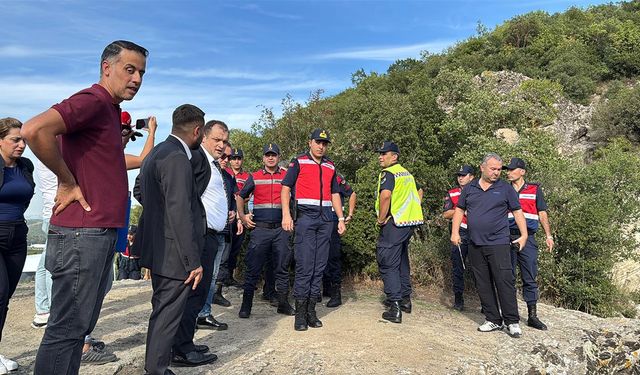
[{"x": 444, "y": 110}]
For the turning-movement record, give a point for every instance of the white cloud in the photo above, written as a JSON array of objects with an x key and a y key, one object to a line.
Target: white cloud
[
  {"x": 389, "y": 53},
  {"x": 219, "y": 73},
  {"x": 257, "y": 9},
  {"x": 18, "y": 51}
]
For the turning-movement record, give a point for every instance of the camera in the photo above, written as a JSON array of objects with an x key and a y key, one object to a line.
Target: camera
[{"x": 142, "y": 123}]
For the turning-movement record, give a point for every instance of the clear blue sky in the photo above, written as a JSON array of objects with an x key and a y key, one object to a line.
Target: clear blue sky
[{"x": 229, "y": 58}]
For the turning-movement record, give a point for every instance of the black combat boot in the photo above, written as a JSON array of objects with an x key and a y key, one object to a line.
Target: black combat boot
[
  {"x": 459, "y": 302},
  {"x": 533, "y": 320},
  {"x": 405, "y": 305},
  {"x": 394, "y": 314},
  {"x": 312, "y": 318},
  {"x": 283, "y": 305},
  {"x": 300, "y": 323},
  {"x": 336, "y": 296},
  {"x": 218, "y": 298},
  {"x": 247, "y": 303}
]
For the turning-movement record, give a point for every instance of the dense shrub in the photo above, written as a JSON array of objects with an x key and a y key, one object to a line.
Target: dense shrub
[{"x": 441, "y": 117}]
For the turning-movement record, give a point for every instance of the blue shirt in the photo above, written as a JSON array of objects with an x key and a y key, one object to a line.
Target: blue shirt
[
  {"x": 487, "y": 211},
  {"x": 15, "y": 194}
]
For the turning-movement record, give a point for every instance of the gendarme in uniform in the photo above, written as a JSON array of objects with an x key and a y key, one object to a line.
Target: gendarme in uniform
[{"x": 398, "y": 209}]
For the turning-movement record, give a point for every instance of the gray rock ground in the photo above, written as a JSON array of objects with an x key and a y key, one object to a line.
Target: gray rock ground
[{"x": 432, "y": 340}]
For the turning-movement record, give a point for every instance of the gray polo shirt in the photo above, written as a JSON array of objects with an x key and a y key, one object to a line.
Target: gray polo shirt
[{"x": 487, "y": 212}]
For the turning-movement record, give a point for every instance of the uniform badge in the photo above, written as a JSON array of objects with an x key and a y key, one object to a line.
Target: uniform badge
[{"x": 322, "y": 134}]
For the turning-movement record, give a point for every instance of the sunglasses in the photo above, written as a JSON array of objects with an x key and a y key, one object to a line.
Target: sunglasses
[{"x": 224, "y": 157}]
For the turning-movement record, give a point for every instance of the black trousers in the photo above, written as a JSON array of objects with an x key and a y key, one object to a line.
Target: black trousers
[
  {"x": 168, "y": 304},
  {"x": 495, "y": 282},
  {"x": 392, "y": 253},
  {"x": 13, "y": 252},
  {"x": 333, "y": 271},
  {"x": 268, "y": 244},
  {"x": 183, "y": 343},
  {"x": 236, "y": 247},
  {"x": 128, "y": 268}
]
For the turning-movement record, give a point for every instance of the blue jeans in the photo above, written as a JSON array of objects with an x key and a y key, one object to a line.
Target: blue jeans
[
  {"x": 206, "y": 309},
  {"x": 43, "y": 280},
  {"x": 80, "y": 261}
]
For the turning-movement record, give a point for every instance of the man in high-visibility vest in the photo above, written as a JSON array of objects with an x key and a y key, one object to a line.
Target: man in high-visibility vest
[
  {"x": 534, "y": 208},
  {"x": 312, "y": 177},
  {"x": 399, "y": 211},
  {"x": 458, "y": 252}
]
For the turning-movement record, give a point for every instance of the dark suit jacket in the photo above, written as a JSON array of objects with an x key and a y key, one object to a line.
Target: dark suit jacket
[{"x": 171, "y": 230}]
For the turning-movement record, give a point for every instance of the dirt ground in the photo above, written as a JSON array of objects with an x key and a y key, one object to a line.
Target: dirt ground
[{"x": 433, "y": 339}]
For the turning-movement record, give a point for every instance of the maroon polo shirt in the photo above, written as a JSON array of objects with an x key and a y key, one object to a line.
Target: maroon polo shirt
[{"x": 92, "y": 149}]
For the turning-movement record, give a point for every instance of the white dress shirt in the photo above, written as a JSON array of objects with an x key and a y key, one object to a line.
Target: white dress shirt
[
  {"x": 48, "y": 185},
  {"x": 214, "y": 197},
  {"x": 186, "y": 148}
]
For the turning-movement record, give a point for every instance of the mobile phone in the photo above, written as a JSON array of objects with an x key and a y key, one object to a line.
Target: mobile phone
[{"x": 142, "y": 123}]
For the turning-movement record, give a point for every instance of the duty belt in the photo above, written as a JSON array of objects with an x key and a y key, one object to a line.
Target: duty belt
[{"x": 268, "y": 225}]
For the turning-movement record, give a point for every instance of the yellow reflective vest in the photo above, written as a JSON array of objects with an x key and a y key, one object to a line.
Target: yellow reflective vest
[{"x": 405, "y": 201}]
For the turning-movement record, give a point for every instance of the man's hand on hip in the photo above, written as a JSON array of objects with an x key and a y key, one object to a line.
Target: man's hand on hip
[{"x": 67, "y": 194}]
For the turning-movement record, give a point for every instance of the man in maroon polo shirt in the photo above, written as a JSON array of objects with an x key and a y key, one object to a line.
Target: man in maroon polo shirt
[{"x": 90, "y": 202}]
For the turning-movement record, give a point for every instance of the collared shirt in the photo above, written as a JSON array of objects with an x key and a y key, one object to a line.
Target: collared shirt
[
  {"x": 186, "y": 148},
  {"x": 271, "y": 214},
  {"x": 215, "y": 198},
  {"x": 291, "y": 179},
  {"x": 487, "y": 211},
  {"x": 92, "y": 149}
]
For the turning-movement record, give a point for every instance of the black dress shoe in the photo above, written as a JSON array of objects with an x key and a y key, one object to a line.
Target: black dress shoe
[
  {"x": 209, "y": 322},
  {"x": 201, "y": 348},
  {"x": 193, "y": 359}
]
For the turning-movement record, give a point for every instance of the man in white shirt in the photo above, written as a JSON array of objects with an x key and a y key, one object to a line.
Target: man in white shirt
[{"x": 217, "y": 197}]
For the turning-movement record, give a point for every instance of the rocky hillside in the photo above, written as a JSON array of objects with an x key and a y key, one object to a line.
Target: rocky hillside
[{"x": 572, "y": 126}]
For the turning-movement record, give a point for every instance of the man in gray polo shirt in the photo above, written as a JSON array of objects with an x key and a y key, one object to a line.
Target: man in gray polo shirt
[{"x": 487, "y": 201}]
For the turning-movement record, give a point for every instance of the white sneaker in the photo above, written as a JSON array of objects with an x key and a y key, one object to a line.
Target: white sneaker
[
  {"x": 3, "y": 370},
  {"x": 40, "y": 320},
  {"x": 488, "y": 326},
  {"x": 8, "y": 364},
  {"x": 514, "y": 330}
]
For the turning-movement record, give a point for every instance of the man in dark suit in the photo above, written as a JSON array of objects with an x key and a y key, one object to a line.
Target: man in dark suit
[{"x": 171, "y": 237}]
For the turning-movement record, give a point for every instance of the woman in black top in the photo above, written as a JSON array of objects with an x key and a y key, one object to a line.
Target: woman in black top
[{"x": 16, "y": 191}]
